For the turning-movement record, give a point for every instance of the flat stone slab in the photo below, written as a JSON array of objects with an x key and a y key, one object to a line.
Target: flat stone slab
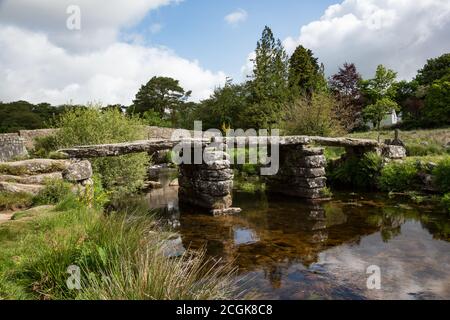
[
  {"x": 33, "y": 166},
  {"x": 118, "y": 149},
  {"x": 36, "y": 179},
  {"x": 226, "y": 212},
  {"x": 17, "y": 188}
]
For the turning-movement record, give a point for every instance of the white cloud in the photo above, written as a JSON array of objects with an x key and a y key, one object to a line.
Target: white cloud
[
  {"x": 397, "y": 33},
  {"x": 236, "y": 17},
  {"x": 42, "y": 61},
  {"x": 110, "y": 75}
]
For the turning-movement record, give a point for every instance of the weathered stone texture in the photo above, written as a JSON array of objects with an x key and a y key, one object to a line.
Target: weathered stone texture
[
  {"x": 301, "y": 173},
  {"x": 78, "y": 171},
  {"x": 11, "y": 146},
  {"x": 208, "y": 185}
]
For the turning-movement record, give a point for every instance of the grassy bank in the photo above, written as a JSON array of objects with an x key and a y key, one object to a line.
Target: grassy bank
[
  {"x": 119, "y": 256},
  {"x": 418, "y": 142}
]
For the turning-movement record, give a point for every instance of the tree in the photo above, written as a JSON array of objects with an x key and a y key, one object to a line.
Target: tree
[
  {"x": 434, "y": 69},
  {"x": 305, "y": 74},
  {"x": 437, "y": 103},
  {"x": 163, "y": 95},
  {"x": 381, "y": 86},
  {"x": 226, "y": 105},
  {"x": 344, "y": 85},
  {"x": 269, "y": 82},
  {"x": 376, "y": 112}
]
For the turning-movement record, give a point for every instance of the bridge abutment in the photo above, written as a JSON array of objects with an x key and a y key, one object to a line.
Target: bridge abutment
[{"x": 301, "y": 174}]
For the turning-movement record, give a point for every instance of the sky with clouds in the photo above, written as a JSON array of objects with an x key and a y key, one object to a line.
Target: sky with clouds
[{"x": 122, "y": 44}]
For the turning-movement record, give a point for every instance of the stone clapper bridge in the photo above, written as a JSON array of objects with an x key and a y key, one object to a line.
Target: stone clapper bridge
[{"x": 209, "y": 185}]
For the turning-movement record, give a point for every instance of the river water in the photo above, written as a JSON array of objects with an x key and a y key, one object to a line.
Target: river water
[{"x": 286, "y": 248}]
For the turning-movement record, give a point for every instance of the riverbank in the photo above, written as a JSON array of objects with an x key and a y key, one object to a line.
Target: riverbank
[{"x": 122, "y": 255}]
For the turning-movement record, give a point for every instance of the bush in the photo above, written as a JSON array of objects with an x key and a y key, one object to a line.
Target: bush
[
  {"x": 446, "y": 202},
  {"x": 399, "y": 177},
  {"x": 442, "y": 175},
  {"x": 54, "y": 192},
  {"x": 87, "y": 126},
  {"x": 357, "y": 173},
  {"x": 44, "y": 146},
  {"x": 14, "y": 201},
  {"x": 312, "y": 117},
  {"x": 420, "y": 150}
]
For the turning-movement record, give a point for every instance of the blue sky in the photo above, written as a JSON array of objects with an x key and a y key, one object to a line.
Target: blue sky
[
  {"x": 121, "y": 44},
  {"x": 197, "y": 30}
]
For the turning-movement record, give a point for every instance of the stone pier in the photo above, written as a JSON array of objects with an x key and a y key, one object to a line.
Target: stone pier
[
  {"x": 208, "y": 185},
  {"x": 301, "y": 173}
]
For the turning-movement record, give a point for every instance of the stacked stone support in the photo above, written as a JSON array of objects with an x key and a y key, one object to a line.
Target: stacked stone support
[
  {"x": 301, "y": 173},
  {"x": 208, "y": 185}
]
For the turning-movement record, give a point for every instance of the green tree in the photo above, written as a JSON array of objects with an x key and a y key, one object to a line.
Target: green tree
[
  {"x": 437, "y": 103},
  {"x": 269, "y": 82},
  {"x": 305, "y": 73},
  {"x": 376, "y": 112},
  {"x": 163, "y": 95},
  {"x": 434, "y": 69},
  {"x": 226, "y": 106},
  {"x": 381, "y": 86}
]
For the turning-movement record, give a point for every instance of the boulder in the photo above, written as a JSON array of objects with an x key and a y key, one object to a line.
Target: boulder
[
  {"x": 18, "y": 187},
  {"x": 33, "y": 167},
  {"x": 78, "y": 171},
  {"x": 393, "y": 152},
  {"x": 37, "y": 179}
]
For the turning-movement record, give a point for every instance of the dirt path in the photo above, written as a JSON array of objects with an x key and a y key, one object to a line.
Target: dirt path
[{"x": 5, "y": 217}]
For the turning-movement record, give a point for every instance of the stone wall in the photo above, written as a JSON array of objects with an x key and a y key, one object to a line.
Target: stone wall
[
  {"x": 30, "y": 136},
  {"x": 11, "y": 146},
  {"x": 301, "y": 173}
]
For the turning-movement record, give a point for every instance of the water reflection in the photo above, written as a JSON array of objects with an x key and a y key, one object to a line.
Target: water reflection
[{"x": 290, "y": 249}]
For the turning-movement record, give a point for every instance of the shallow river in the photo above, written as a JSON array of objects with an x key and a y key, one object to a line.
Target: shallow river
[{"x": 286, "y": 248}]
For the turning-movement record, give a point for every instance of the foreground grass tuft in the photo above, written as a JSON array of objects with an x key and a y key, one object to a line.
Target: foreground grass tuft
[{"x": 120, "y": 256}]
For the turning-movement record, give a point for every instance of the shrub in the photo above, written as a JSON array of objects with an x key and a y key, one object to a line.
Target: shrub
[
  {"x": 399, "y": 176},
  {"x": 54, "y": 192},
  {"x": 44, "y": 146},
  {"x": 357, "y": 173},
  {"x": 419, "y": 150},
  {"x": 313, "y": 116},
  {"x": 446, "y": 202},
  {"x": 14, "y": 201},
  {"x": 442, "y": 175},
  {"x": 86, "y": 126}
]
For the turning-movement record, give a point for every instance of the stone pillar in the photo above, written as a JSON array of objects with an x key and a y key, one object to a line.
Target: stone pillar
[
  {"x": 301, "y": 174},
  {"x": 208, "y": 185}
]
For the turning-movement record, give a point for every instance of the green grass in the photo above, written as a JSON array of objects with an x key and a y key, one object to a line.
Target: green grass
[
  {"x": 15, "y": 201},
  {"x": 418, "y": 142},
  {"x": 120, "y": 255}
]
